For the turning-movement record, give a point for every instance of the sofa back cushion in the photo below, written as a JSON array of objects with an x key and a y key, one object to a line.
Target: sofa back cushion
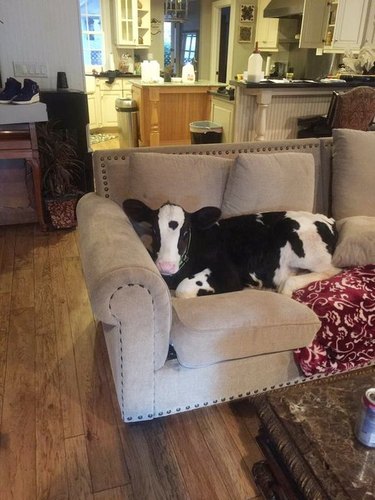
[
  {"x": 270, "y": 182},
  {"x": 192, "y": 181},
  {"x": 353, "y": 173}
]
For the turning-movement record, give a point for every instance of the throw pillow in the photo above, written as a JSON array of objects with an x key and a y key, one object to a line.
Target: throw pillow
[
  {"x": 270, "y": 182},
  {"x": 192, "y": 181},
  {"x": 353, "y": 173},
  {"x": 356, "y": 243}
]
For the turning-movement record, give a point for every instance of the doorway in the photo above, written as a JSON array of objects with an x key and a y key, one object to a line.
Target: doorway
[
  {"x": 223, "y": 48},
  {"x": 222, "y": 28},
  {"x": 180, "y": 46}
]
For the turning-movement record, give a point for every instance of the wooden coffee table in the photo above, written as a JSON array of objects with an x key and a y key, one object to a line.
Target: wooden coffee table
[{"x": 307, "y": 437}]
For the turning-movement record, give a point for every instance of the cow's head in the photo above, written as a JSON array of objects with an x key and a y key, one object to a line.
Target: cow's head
[{"x": 172, "y": 230}]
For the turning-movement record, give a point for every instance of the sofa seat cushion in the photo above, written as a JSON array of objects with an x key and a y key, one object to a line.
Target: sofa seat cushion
[
  {"x": 215, "y": 328},
  {"x": 192, "y": 181},
  {"x": 270, "y": 182}
]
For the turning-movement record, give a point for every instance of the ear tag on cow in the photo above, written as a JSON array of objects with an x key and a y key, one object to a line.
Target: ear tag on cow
[{"x": 185, "y": 257}]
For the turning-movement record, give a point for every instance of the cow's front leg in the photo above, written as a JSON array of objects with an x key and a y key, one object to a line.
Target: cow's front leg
[{"x": 196, "y": 285}]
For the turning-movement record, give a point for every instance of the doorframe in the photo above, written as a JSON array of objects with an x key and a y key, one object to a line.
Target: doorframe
[{"x": 215, "y": 38}]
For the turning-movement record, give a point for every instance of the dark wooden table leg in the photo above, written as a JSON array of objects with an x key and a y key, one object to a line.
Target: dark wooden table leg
[{"x": 37, "y": 180}]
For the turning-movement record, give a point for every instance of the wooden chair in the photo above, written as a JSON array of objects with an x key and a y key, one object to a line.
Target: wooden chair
[
  {"x": 20, "y": 142},
  {"x": 354, "y": 109}
]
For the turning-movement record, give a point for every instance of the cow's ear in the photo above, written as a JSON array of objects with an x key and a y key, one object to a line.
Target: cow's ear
[
  {"x": 206, "y": 217},
  {"x": 137, "y": 211}
]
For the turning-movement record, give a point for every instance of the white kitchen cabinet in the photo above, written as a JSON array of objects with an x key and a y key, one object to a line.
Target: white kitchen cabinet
[
  {"x": 109, "y": 92},
  {"x": 349, "y": 26},
  {"x": 92, "y": 91},
  {"x": 266, "y": 33},
  {"x": 92, "y": 103},
  {"x": 335, "y": 26},
  {"x": 314, "y": 24},
  {"x": 126, "y": 89},
  {"x": 101, "y": 98},
  {"x": 369, "y": 37},
  {"x": 108, "y": 109},
  {"x": 132, "y": 23},
  {"x": 222, "y": 113}
]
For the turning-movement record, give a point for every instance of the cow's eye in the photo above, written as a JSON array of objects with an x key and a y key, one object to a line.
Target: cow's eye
[{"x": 185, "y": 234}]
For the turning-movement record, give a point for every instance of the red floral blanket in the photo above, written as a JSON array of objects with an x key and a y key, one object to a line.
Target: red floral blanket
[{"x": 345, "y": 305}]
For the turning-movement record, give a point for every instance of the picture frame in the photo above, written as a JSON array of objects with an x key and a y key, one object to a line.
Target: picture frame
[
  {"x": 247, "y": 13},
  {"x": 245, "y": 34}
]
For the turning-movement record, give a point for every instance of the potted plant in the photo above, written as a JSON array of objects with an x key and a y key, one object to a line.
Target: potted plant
[{"x": 61, "y": 169}]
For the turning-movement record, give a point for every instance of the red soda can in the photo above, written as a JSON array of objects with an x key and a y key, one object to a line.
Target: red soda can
[{"x": 365, "y": 428}]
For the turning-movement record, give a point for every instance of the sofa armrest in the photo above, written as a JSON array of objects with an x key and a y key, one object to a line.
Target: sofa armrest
[{"x": 123, "y": 282}]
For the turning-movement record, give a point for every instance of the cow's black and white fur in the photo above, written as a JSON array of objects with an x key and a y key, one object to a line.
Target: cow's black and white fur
[{"x": 198, "y": 254}]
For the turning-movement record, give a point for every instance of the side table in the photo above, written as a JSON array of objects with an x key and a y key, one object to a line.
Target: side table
[{"x": 19, "y": 141}]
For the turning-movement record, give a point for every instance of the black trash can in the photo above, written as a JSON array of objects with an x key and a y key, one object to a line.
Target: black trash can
[
  {"x": 205, "y": 132},
  {"x": 127, "y": 118}
]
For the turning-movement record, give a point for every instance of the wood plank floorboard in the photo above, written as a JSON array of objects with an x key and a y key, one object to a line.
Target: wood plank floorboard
[{"x": 61, "y": 433}]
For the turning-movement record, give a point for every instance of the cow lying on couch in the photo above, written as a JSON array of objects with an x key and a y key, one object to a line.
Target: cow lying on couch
[
  {"x": 199, "y": 254},
  {"x": 230, "y": 345}
]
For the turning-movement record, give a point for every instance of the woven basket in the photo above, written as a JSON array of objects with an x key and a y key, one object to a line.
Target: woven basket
[{"x": 62, "y": 212}]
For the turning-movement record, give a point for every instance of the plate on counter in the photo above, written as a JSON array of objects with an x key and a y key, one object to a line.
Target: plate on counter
[{"x": 332, "y": 80}]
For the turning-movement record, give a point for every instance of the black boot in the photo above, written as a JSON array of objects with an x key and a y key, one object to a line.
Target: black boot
[{"x": 11, "y": 90}]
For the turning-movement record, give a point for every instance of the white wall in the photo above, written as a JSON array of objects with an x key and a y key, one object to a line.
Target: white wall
[
  {"x": 205, "y": 40},
  {"x": 157, "y": 39},
  {"x": 43, "y": 31}
]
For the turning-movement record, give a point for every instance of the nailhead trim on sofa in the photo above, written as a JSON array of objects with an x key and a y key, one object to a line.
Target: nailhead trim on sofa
[{"x": 221, "y": 150}]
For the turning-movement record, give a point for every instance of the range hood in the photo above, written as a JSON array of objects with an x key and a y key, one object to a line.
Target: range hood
[{"x": 284, "y": 8}]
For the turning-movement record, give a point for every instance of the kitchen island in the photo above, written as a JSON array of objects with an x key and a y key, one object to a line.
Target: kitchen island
[
  {"x": 167, "y": 109},
  {"x": 269, "y": 110}
]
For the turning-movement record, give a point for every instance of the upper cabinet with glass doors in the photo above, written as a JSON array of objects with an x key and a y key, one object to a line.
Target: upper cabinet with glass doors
[{"x": 133, "y": 23}]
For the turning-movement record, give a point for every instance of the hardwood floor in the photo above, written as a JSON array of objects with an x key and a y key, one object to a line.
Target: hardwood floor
[{"x": 61, "y": 435}]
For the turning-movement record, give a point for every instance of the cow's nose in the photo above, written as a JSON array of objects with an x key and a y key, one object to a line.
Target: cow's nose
[{"x": 167, "y": 267}]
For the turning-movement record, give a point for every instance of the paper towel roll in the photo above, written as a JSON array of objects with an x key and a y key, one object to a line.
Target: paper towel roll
[
  {"x": 268, "y": 66},
  {"x": 111, "y": 62}
]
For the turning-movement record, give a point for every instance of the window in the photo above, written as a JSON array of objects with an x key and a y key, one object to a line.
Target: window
[
  {"x": 189, "y": 46},
  {"x": 92, "y": 32},
  {"x": 168, "y": 49}
]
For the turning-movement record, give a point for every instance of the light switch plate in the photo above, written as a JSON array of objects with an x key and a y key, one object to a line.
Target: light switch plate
[{"x": 30, "y": 69}]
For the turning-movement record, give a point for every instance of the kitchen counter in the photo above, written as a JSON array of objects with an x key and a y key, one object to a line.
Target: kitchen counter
[
  {"x": 167, "y": 109},
  {"x": 323, "y": 84},
  {"x": 113, "y": 74},
  {"x": 269, "y": 111},
  {"x": 199, "y": 83}
]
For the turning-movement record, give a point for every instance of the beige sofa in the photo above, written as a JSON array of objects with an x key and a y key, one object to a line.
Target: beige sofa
[{"x": 228, "y": 346}]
